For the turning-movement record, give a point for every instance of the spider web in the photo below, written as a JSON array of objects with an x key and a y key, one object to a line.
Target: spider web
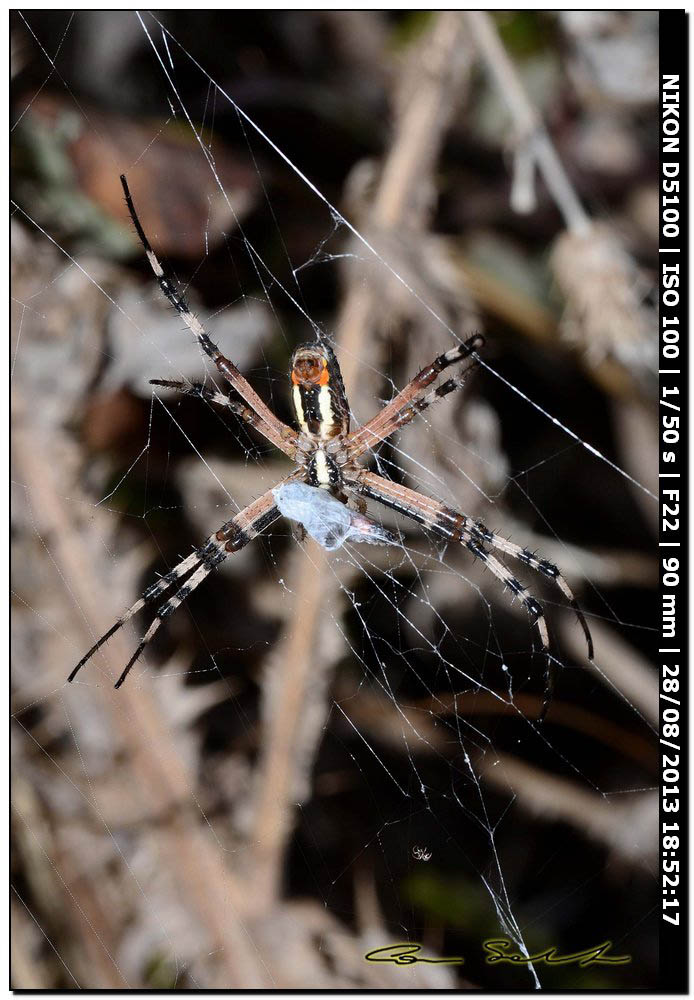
[{"x": 252, "y": 809}]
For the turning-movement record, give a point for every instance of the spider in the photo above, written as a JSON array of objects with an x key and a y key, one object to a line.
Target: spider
[
  {"x": 327, "y": 453},
  {"x": 421, "y": 853}
]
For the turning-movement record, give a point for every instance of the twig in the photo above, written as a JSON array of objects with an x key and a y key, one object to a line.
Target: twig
[
  {"x": 598, "y": 278},
  {"x": 296, "y": 665},
  {"x": 628, "y": 826},
  {"x": 377, "y": 716},
  {"x": 537, "y": 790},
  {"x": 620, "y": 667},
  {"x": 422, "y": 123},
  {"x": 161, "y": 778},
  {"x": 531, "y": 131},
  {"x": 299, "y": 662}
]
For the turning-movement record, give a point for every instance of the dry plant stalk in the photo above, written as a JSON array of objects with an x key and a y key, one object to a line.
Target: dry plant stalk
[
  {"x": 603, "y": 312},
  {"x": 206, "y": 883},
  {"x": 300, "y": 661},
  {"x": 597, "y": 277},
  {"x": 629, "y": 828},
  {"x": 539, "y": 791},
  {"x": 531, "y": 137},
  {"x": 622, "y": 669}
]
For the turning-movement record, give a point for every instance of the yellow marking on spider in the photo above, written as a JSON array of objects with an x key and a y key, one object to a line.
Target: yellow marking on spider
[
  {"x": 299, "y": 408},
  {"x": 327, "y": 414},
  {"x": 322, "y": 470}
]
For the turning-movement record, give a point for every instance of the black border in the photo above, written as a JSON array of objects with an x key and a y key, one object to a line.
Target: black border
[{"x": 674, "y": 475}]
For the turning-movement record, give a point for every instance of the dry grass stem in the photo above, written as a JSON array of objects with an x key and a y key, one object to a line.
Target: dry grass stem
[
  {"x": 299, "y": 660},
  {"x": 629, "y": 826},
  {"x": 161, "y": 780},
  {"x": 620, "y": 667},
  {"x": 529, "y": 128},
  {"x": 604, "y": 312}
]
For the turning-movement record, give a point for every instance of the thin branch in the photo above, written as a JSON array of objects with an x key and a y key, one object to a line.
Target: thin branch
[
  {"x": 161, "y": 777},
  {"x": 531, "y": 131},
  {"x": 628, "y": 825},
  {"x": 300, "y": 663},
  {"x": 621, "y": 668}
]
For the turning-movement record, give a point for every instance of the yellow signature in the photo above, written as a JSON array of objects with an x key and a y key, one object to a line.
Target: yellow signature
[
  {"x": 500, "y": 952},
  {"x": 406, "y": 954}
]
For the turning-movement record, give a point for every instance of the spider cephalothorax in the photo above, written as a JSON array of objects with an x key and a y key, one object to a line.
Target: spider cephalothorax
[{"x": 326, "y": 454}]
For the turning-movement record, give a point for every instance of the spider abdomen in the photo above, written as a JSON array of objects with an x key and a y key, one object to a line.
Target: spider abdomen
[
  {"x": 313, "y": 406},
  {"x": 323, "y": 471},
  {"x": 318, "y": 393}
]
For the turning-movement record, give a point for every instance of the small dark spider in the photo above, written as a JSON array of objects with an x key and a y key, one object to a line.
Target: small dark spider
[{"x": 326, "y": 453}]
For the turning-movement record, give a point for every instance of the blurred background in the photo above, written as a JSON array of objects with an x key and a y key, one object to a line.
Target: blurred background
[{"x": 321, "y": 755}]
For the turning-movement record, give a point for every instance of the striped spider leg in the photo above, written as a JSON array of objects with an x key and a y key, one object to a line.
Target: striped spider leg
[
  {"x": 479, "y": 540},
  {"x": 257, "y": 413},
  {"x": 414, "y": 398},
  {"x": 214, "y": 396},
  {"x": 231, "y": 537}
]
